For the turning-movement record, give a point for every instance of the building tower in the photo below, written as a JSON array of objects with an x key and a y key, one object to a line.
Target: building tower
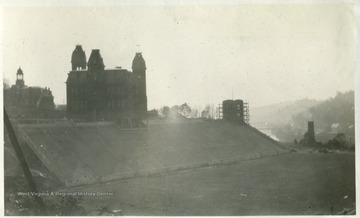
[
  {"x": 20, "y": 78},
  {"x": 97, "y": 98},
  {"x": 139, "y": 71},
  {"x": 233, "y": 110},
  {"x": 239, "y": 110},
  {"x": 228, "y": 110},
  {"x": 95, "y": 62},
  {"x": 78, "y": 58}
]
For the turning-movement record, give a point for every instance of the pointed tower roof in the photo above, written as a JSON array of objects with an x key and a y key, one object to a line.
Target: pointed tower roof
[
  {"x": 138, "y": 62},
  {"x": 19, "y": 71},
  {"x": 95, "y": 60},
  {"x": 78, "y": 55},
  {"x": 20, "y": 78},
  {"x": 78, "y": 58}
]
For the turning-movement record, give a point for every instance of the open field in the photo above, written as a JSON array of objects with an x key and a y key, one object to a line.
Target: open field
[{"x": 287, "y": 184}]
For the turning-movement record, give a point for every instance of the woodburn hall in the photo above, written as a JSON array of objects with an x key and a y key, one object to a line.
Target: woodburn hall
[{"x": 96, "y": 93}]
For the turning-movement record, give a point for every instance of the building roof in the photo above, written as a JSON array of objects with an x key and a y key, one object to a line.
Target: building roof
[
  {"x": 96, "y": 61},
  {"x": 138, "y": 62},
  {"x": 107, "y": 76},
  {"x": 78, "y": 55},
  {"x": 19, "y": 71}
]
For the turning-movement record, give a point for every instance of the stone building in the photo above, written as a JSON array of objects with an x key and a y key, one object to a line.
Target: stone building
[
  {"x": 96, "y": 93},
  {"x": 23, "y": 101}
]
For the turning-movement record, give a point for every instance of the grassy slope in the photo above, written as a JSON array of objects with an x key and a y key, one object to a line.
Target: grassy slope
[{"x": 74, "y": 152}]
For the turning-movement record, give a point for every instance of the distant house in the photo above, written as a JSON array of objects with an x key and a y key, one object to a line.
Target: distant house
[
  {"x": 336, "y": 128},
  {"x": 324, "y": 137}
]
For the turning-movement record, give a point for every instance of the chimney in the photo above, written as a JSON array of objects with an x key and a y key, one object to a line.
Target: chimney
[{"x": 311, "y": 132}]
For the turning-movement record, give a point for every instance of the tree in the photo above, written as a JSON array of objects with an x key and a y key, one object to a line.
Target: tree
[
  {"x": 6, "y": 84},
  {"x": 206, "y": 112},
  {"x": 164, "y": 111},
  {"x": 338, "y": 142},
  {"x": 185, "y": 110}
]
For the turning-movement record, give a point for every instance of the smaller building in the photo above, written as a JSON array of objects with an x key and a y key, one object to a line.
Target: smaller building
[
  {"x": 233, "y": 110},
  {"x": 336, "y": 128},
  {"x": 23, "y": 101}
]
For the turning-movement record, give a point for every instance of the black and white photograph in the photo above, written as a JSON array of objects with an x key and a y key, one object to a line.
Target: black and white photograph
[{"x": 179, "y": 108}]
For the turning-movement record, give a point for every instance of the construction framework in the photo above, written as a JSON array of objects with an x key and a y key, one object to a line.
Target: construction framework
[
  {"x": 246, "y": 112},
  {"x": 219, "y": 112}
]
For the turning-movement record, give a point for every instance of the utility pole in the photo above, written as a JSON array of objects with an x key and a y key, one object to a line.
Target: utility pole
[{"x": 22, "y": 160}]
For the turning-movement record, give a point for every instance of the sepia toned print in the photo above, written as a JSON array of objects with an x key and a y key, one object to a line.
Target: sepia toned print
[{"x": 192, "y": 109}]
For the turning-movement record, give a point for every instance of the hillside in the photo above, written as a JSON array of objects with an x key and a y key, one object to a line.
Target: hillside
[
  {"x": 281, "y": 113},
  {"x": 83, "y": 153},
  {"x": 339, "y": 109},
  {"x": 289, "y": 120}
]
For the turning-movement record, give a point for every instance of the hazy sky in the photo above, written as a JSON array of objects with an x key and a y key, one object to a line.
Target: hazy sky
[{"x": 194, "y": 53}]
